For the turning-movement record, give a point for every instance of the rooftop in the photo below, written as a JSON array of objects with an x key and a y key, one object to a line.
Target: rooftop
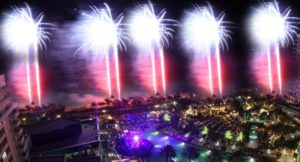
[{"x": 48, "y": 126}]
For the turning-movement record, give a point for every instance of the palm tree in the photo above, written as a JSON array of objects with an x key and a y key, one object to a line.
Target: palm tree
[
  {"x": 228, "y": 137},
  {"x": 190, "y": 153},
  {"x": 93, "y": 104},
  {"x": 168, "y": 152},
  {"x": 205, "y": 131},
  {"x": 240, "y": 137}
]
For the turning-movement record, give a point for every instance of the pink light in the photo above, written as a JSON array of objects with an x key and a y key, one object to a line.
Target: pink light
[
  {"x": 153, "y": 71},
  {"x": 260, "y": 69},
  {"x": 97, "y": 68},
  {"x": 200, "y": 72},
  {"x": 210, "y": 73},
  {"x": 37, "y": 73},
  {"x": 270, "y": 70},
  {"x": 38, "y": 83},
  {"x": 28, "y": 78},
  {"x": 219, "y": 69},
  {"x": 108, "y": 73},
  {"x": 163, "y": 75},
  {"x": 117, "y": 70},
  {"x": 278, "y": 68}
]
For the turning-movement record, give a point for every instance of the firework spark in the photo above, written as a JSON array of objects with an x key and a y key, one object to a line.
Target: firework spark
[
  {"x": 21, "y": 32},
  {"x": 151, "y": 32},
  {"x": 203, "y": 33},
  {"x": 100, "y": 33},
  {"x": 270, "y": 28}
]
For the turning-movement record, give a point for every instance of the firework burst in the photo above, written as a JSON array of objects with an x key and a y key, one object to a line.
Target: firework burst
[
  {"x": 151, "y": 32},
  {"x": 270, "y": 28},
  {"x": 99, "y": 32},
  {"x": 21, "y": 32},
  {"x": 202, "y": 33}
]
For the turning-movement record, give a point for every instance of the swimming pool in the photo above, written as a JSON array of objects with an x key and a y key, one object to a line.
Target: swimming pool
[{"x": 159, "y": 140}]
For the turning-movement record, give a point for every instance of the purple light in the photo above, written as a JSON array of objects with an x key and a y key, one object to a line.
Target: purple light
[{"x": 136, "y": 138}]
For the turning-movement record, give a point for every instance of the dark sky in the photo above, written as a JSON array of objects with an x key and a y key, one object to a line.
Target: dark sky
[{"x": 237, "y": 56}]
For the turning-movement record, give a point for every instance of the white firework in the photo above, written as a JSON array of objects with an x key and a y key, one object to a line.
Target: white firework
[
  {"x": 20, "y": 29},
  {"x": 148, "y": 29},
  {"x": 268, "y": 25},
  {"x": 98, "y": 31},
  {"x": 201, "y": 29}
]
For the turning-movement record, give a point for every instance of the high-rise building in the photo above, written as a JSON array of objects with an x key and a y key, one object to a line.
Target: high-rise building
[{"x": 14, "y": 144}]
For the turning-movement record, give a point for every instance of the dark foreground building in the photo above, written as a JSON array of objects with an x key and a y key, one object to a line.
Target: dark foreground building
[
  {"x": 63, "y": 140},
  {"x": 14, "y": 144}
]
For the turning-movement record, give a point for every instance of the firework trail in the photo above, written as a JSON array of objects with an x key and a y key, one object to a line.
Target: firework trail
[
  {"x": 99, "y": 33},
  {"x": 151, "y": 32},
  {"x": 162, "y": 65},
  {"x": 28, "y": 78},
  {"x": 271, "y": 28},
  {"x": 270, "y": 70},
  {"x": 203, "y": 33},
  {"x": 21, "y": 33},
  {"x": 153, "y": 65},
  {"x": 108, "y": 73},
  {"x": 219, "y": 71},
  {"x": 117, "y": 69}
]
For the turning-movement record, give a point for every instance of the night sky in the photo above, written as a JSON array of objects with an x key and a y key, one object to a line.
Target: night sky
[{"x": 63, "y": 12}]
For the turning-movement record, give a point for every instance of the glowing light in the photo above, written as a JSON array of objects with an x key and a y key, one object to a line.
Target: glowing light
[
  {"x": 240, "y": 137},
  {"x": 136, "y": 138},
  {"x": 228, "y": 135},
  {"x": 270, "y": 27},
  {"x": 251, "y": 160},
  {"x": 150, "y": 31},
  {"x": 208, "y": 152},
  {"x": 20, "y": 32},
  {"x": 253, "y": 136},
  {"x": 98, "y": 33},
  {"x": 203, "y": 33},
  {"x": 174, "y": 103},
  {"x": 182, "y": 144},
  {"x": 167, "y": 117},
  {"x": 205, "y": 130}
]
